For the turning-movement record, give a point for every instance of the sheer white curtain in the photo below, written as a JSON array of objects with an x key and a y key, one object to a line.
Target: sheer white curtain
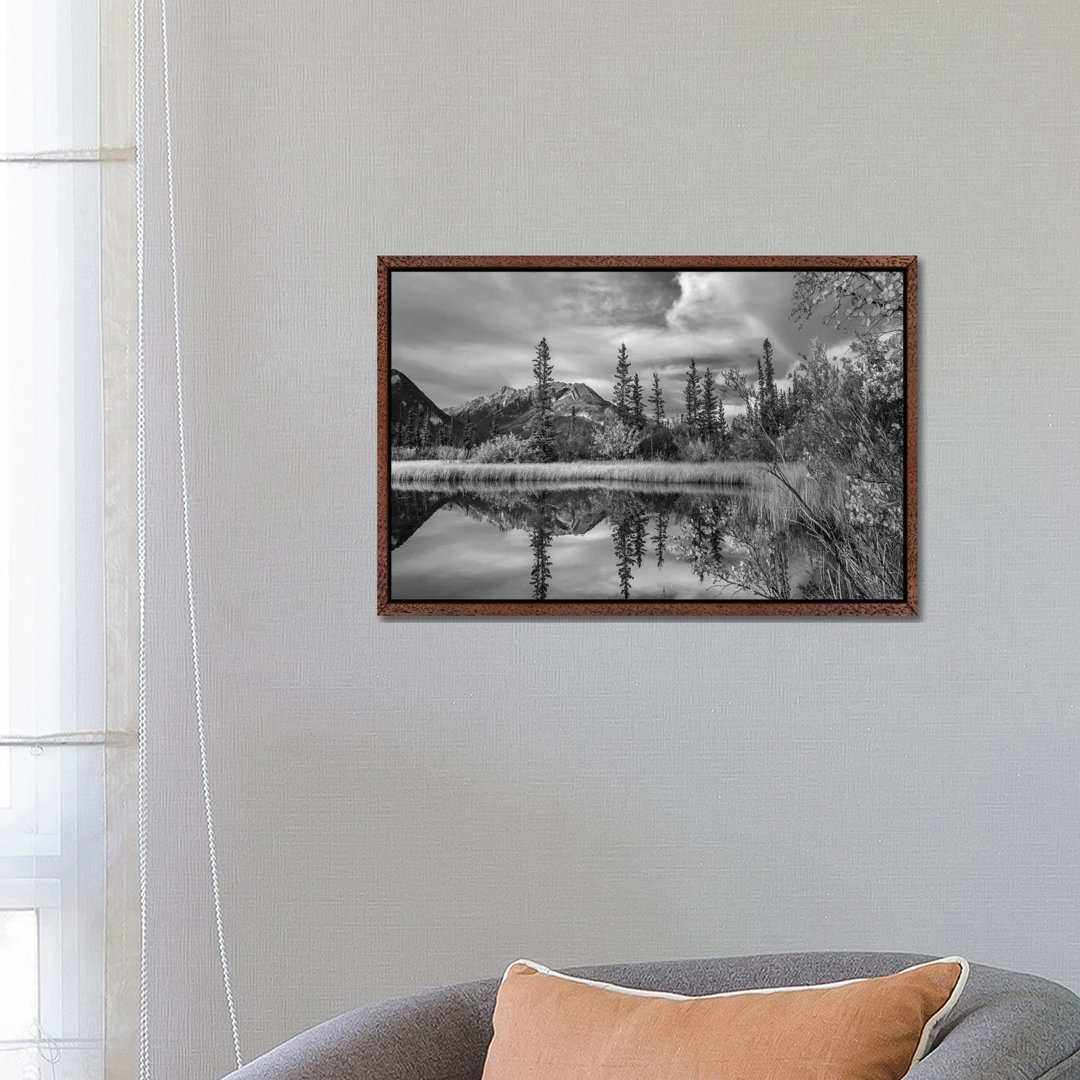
[{"x": 60, "y": 246}]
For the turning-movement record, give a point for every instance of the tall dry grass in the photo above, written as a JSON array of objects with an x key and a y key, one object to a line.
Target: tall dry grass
[
  {"x": 786, "y": 497},
  {"x": 725, "y": 473},
  {"x": 768, "y": 500}
]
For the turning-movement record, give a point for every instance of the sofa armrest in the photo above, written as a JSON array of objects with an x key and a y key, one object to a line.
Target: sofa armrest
[
  {"x": 437, "y": 1035},
  {"x": 1007, "y": 1026}
]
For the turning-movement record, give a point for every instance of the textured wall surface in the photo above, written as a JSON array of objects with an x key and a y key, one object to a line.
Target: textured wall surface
[{"x": 408, "y": 803}]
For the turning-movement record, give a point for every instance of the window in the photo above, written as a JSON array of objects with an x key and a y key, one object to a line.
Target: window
[{"x": 52, "y": 578}]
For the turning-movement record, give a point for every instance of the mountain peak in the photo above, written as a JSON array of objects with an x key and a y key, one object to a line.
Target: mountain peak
[
  {"x": 406, "y": 396},
  {"x": 509, "y": 410}
]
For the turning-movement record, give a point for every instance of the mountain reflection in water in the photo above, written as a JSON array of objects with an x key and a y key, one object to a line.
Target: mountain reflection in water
[{"x": 669, "y": 542}]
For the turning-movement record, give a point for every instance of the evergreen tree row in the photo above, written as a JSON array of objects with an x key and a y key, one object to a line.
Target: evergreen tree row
[
  {"x": 644, "y": 426},
  {"x": 703, "y": 417}
]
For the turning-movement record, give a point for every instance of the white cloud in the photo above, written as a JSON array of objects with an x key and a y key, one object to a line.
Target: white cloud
[
  {"x": 707, "y": 299},
  {"x": 460, "y": 334},
  {"x": 710, "y": 319}
]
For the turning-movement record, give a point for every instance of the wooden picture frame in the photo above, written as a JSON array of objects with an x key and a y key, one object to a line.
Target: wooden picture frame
[{"x": 875, "y": 488}]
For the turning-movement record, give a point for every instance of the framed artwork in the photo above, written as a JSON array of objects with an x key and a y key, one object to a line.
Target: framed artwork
[{"x": 645, "y": 435}]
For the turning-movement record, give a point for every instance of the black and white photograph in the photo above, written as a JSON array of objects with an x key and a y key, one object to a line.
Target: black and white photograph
[{"x": 732, "y": 438}]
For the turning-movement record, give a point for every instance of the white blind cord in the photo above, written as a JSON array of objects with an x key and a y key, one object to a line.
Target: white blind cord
[
  {"x": 140, "y": 454},
  {"x": 140, "y": 199},
  {"x": 181, "y": 443}
]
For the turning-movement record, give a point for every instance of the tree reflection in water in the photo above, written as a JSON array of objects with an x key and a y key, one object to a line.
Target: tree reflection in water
[
  {"x": 628, "y": 513},
  {"x": 660, "y": 538},
  {"x": 702, "y": 541},
  {"x": 712, "y": 532},
  {"x": 540, "y": 538}
]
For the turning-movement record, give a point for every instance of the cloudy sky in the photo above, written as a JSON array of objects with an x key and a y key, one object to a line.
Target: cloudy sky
[{"x": 460, "y": 334}]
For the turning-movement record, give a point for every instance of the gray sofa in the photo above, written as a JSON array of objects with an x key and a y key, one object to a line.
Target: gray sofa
[{"x": 1006, "y": 1026}]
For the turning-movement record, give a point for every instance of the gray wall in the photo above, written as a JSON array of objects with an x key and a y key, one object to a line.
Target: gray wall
[{"x": 407, "y": 803}]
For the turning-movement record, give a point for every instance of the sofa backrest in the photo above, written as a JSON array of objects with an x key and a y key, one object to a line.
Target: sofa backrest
[{"x": 1006, "y": 1026}]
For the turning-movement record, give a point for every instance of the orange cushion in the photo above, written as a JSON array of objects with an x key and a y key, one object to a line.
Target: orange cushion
[{"x": 550, "y": 1026}]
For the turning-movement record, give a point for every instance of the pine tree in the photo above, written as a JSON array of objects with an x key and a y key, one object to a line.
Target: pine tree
[
  {"x": 637, "y": 403},
  {"x": 622, "y": 385},
  {"x": 769, "y": 403},
  {"x": 692, "y": 396},
  {"x": 542, "y": 426},
  {"x": 708, "y": 404},
  {"x": 762, "y": 407},
  {"x": 783, "y": 406},
  {"x": 721, "y": 424},
  {"x": 656, "y": 400}
]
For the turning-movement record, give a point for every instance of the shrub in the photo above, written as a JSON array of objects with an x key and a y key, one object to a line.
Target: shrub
[
  {"x": 502, "y": 448},
  {"x": 428, "y": 453},
  {"x": 578, "y": 446},
  {"x": 657, "y": 445},
  {"x": 617, "y": 440},
  {"x": 695, "y": 449}
]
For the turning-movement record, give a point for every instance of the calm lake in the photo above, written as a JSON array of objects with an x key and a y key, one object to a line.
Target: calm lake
[{"x": 492, "y": 542}]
